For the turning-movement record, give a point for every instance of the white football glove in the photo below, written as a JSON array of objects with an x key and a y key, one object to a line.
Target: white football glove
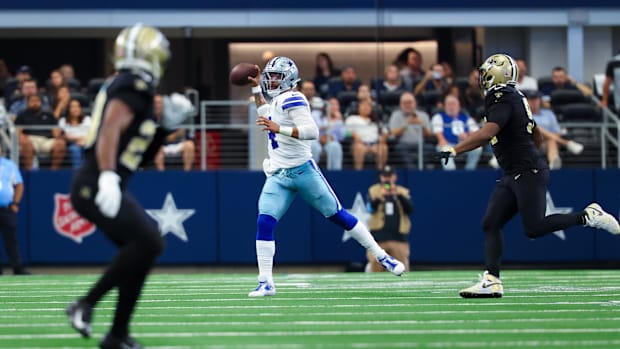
[
  {"x": 108, "y": 197},
  {"x": 176, "y": 109}
]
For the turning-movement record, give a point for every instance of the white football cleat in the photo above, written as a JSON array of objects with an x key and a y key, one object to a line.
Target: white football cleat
[
  {"x": 597, "y": 218},
  {"x": 392, "y": 265},
  {"x": 489, "y": 286},
  {"x": 263, "y": 289}
]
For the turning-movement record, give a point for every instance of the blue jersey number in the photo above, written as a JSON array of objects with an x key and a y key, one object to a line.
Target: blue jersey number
[{"x": 272, "y": 138}]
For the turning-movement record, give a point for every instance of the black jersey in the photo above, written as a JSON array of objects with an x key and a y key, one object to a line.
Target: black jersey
[
  {"x": 143, "y": 136},
  {"x": 513, "y": 146}
]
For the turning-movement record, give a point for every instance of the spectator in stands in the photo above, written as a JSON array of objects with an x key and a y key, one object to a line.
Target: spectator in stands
[
  {"x": 34, "y": 142},
  {"x": 28, "y": 88},
  {"x": 410, "y": 126},
  {"x": 390, "y": 206},
  {"x": 5, "y": 75},
  {"x": 410, "y": 62},
  {"x": 60, "y": 104},
  {"x": 474, "y": 95},
  {"x": 524, "y": 81},
  {"x": 363, "y": 94},
  {"x": 22, "y": 74},
  {"x": 551, "y": 131},
  {"x": 448, "y": 73},
  {"x": 561, "y": 80},
  {"x": 176, "y": 143},
  {"x": 75, "y": 127},
  {"x": 367, "y": 136},
  {"x": 68, "y": 73},
  {"x": 612, "y": 78},
  {"x": 391, "y": 81},
  {"x": 456, "y": 92},
  {"x": 331, "y": 134},
  {"x": 348, "y": 82},
  {"x": 55, "y": 82},
  {"x": 434, "y": 80},
  {"x": 324, "y": 70},
  {"x": 453, "y": 126},
  {"x": 317, "y": 104}
]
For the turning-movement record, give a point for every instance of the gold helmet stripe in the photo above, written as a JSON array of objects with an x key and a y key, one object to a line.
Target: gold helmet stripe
[{"x": 132, "y": 39}]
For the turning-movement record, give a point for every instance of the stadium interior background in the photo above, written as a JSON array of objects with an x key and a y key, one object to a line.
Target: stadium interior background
[{"x": 208, "y": 39}]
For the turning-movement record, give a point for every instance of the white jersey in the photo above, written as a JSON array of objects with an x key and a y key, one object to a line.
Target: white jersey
[{"x": 289, "y": 109}]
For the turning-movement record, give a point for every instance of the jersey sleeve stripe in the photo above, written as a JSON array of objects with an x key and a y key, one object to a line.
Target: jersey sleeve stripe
[
  {"x": 294, "y": 98},
  {"x": 294, "y": 104}
]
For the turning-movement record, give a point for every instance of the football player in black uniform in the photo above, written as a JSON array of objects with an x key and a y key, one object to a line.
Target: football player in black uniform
[
  {"x": 511, "y": 130},
  {"x": 123, "y": 136}
]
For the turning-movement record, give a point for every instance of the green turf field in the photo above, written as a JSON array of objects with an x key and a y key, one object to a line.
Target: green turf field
[{"x": 541, "y": 309}]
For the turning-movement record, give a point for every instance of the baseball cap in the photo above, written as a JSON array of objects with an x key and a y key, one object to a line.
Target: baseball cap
[
  {"x": 387, "y": 170},
  {"x": 24, "y": 69},
  {"x": 532, "y": 93}
]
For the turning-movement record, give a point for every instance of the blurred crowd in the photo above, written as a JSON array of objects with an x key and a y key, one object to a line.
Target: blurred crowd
[{"x": 412, "y": 110}]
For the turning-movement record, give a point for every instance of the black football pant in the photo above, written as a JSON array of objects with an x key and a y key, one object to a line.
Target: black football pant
[
  {"x": 524, "y": 193},
  {"x": 8, "y": 229},
  {"x": 139, "y": 242}
]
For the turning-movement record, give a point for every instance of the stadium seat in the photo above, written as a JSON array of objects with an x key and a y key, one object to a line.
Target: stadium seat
[
  {"x": 586, "y": 112},
  {"x": 429, "y": 99},
  {"x": 389, "y": 100},
  {"x": 84, "y": 102},
  {"x": 544, "y": 81},
  {"x": 562, "y": 97},
  {"x": 345, "y": 98},
  {"x": 74, "y": 84},
  {"x": 462, "y": 83}
]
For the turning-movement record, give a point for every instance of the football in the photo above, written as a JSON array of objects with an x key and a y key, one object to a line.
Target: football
[{"x": 240, "y": 72}]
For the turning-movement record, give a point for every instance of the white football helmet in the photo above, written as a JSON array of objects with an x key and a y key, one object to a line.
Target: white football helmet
[
  {"x": 498, "y": 69},
  {"x": 142, "y": 47},
  {"x": 280, "y": 74}
]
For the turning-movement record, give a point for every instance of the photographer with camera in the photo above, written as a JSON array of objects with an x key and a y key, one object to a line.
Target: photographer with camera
[{"x": 389, "y": 205}]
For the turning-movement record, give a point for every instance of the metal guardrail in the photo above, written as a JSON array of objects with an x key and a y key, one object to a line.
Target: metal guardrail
[{"x": 243, "y": 145}]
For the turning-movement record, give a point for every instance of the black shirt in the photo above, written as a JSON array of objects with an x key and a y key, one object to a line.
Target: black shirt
[
  {"x": 513, "y": 146},
  {"x": 42, "y": 118}
]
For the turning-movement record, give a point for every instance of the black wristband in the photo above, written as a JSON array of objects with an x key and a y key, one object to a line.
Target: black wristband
[{"x": 14, "y": 203}]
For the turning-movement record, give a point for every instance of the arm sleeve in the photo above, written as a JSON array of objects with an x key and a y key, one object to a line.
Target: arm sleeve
[
  {"x": 609, "y": 71},
  {"x": 437, "y": 124},
  {"x": 305, "y": 123}
]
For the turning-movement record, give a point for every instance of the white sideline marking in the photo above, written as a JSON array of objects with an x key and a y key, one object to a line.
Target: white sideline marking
[
  {"x": 332, "y": 333},
  {"x": 327, "y": 322}
]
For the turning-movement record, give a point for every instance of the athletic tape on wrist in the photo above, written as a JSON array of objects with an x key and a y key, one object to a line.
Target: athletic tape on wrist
[{"x": 286, "y": 130}]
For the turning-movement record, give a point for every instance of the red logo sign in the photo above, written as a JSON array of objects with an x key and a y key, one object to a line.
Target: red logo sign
[{"x": 68, "y": 222}]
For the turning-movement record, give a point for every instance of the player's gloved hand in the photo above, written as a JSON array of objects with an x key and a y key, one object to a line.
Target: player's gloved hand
[
  {"x": 445, "y": 154},
  {"x": 176, "y": 109},
  {"x": 108, "y": 197}
]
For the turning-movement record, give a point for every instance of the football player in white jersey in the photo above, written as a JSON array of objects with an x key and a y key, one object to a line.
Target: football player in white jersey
[{"x": 290, "y": 169}]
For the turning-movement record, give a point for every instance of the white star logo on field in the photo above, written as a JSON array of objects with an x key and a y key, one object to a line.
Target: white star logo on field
[
  {"x": 170, "y": 219},
  {"x": 359, "y": 211},
  {"x": 551, "y": 209}
]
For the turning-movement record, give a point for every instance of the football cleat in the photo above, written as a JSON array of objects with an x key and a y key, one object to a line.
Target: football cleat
[
  {"x": 597, "y": 218},
  {"x": 489, "y": 286},
  {"x": 80, "y": 314},
  {"x": 110, "y": 341},
  {"x": 392, "y": 265},
  {"x": 263, "y": 289}
]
